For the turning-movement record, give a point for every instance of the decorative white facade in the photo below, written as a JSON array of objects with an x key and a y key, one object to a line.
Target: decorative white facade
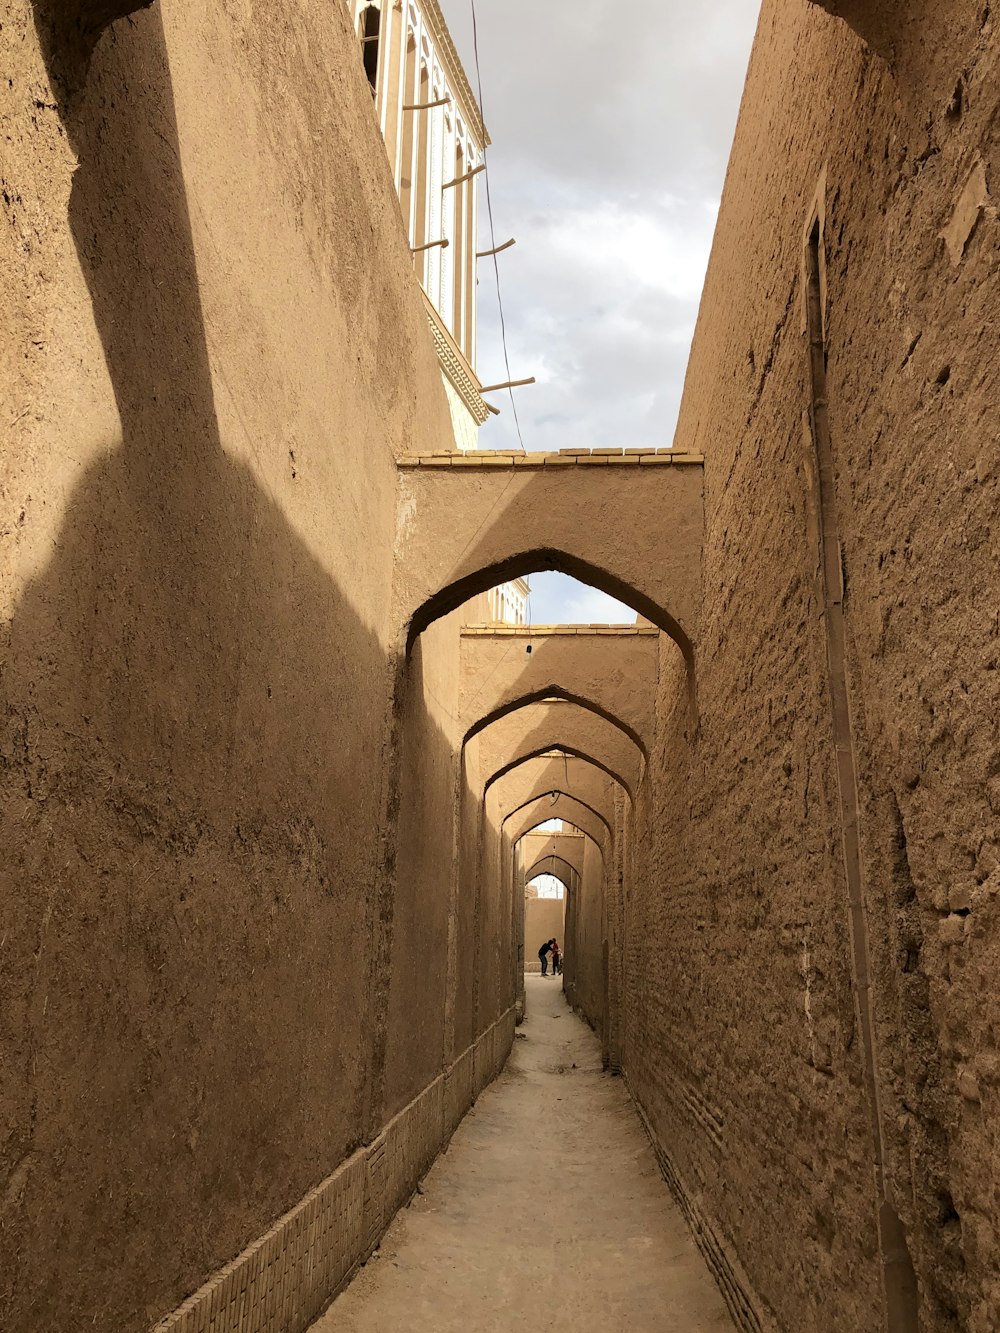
[
  {"x": 435, "y": 138},
  {"x": 508, "y": 603}
]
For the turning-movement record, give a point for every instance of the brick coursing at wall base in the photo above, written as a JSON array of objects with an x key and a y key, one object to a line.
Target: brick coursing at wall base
[
  {"x": 737, "y": 949},
  {"x": 744, "y": 1304},
  {"x": 284, "y": 1280}
]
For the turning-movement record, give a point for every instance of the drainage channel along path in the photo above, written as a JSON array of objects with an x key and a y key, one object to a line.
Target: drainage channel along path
[{"x": 547, "y": 1211}]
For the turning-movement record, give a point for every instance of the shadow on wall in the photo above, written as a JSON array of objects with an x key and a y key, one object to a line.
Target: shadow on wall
[
  {"x": 192, "y": 802},
  {"x": 190, "y": 807},
  {"x": 917, "y": 40}
]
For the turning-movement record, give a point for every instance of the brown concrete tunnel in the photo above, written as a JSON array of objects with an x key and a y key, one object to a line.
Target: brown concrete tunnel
[{"x": 272, "y": 785}]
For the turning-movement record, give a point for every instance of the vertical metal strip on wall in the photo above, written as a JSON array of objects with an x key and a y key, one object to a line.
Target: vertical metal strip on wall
[{"x": 899, "y": 1280}]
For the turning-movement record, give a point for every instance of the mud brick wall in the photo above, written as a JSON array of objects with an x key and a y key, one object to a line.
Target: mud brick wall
[
  {"x": 214, "y": 347},
  {"x": 741, "y": 1041}
]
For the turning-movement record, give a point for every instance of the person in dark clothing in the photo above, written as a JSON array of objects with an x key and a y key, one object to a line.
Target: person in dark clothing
[
  {"x": 543, "y": 956},
  {"x": 556, "y": 959}
]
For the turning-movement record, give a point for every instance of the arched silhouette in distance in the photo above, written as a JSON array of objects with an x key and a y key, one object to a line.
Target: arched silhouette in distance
[
  {"x": 555, "y": 751},
  {"x": 550, "y": 856},
  {"x": 556, "y": 791},
  {"x": 564, "y": 696}
]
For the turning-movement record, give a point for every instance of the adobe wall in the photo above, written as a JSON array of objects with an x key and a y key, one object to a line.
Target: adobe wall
[
  {"x": 585, "y": 941},
  {"x": 741, "y": 1041},
  {"x": 420, "y": 970},
  {"x": 218, "y": 346}
]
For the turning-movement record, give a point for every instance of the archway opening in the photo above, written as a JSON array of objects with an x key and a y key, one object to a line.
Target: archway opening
[
  {"x": 555, "y": 694},
  {"x": 548, "y": 799},
  {"x": 545, "y": 901},
  {"x": 533, "y": 565},
  {"x": 545, "y": 886},
  {"x": 557, "y": 752}
]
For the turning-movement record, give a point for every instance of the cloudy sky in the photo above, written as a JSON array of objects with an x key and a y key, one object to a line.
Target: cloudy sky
[{"x": 611, "y": 126}]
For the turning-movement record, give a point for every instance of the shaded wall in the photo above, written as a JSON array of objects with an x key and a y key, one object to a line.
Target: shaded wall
[
  {"x": 741, "y": 1040},
  {"x": 207, "y": 742}
]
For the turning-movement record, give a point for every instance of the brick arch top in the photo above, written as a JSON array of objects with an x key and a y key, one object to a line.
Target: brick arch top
[
  {"x": 611, "y": 673},
  {"x": 536, "y": 848},
  {"x": 552, "y": 693},
  {"x": 536, "y": 777},
  {"x": 556, "y": 753},
  {"x": 451, "y": 596},
  {"x": 631, "y": 526},
  {"x": 542, "y": 727},
  {"x": 569, "y": 809},
  {"x": 542, "y": 861},
  {"x": 567, "y": 888}
]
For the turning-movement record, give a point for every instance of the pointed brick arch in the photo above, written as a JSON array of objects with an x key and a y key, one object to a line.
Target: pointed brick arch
[
  {"x": 542, "y": 867},
  {"x": 574, "y": 776},
  {"x": 556, "y": 753},
  {"x": 542, "y": 727},
  {"x": 554, "y": 693},
  {"x": 569, "y": 809},
  {"x": 543, "y": 560},
  {"x": 470, "y": 522},
  {"x": 539, "y": 869},
  {"x": 612, "y": 673}
]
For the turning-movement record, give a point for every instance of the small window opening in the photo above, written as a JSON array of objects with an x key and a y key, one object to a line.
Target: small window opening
[{"x": 370, "y": 26}]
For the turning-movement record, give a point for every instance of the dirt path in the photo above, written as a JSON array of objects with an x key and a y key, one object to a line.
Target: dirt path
[{"x": 548, "y": 1207}]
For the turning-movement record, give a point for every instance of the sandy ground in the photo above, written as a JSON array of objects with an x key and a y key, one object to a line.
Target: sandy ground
[{"x": 547, "y": 1207}]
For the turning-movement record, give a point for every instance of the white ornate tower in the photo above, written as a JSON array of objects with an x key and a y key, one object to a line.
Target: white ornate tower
[{"x": 435, "y": 138}]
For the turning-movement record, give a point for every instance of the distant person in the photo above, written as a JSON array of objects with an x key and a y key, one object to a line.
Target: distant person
[
  {"x": 543, "y": 956},
  {"x": 556, "y": 958}
]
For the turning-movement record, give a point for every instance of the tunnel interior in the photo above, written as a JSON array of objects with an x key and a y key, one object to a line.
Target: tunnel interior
[{"x": 285, "y": 800}]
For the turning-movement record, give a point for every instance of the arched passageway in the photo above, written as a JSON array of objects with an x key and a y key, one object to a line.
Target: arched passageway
[
  {"x": 245, "y": 730},
  {"x": 565, "y": 808},
  {"x": 545, "y": 775},
  {"x": 554, "y": 863},
  {"x": 554, "y": 754},
  {"x": 479, "y": 525},
  {"x": 612, "y": 672},
  {"x": 542, "y": 727}
]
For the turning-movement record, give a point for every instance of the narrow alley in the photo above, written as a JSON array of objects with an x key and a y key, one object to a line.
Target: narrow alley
[
  {"x": 359, "y": 660},
  {"x": 547, "y": 1210}
]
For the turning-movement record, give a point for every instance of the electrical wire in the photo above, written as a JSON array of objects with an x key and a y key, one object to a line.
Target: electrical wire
[{"x": 493, "y": 238}]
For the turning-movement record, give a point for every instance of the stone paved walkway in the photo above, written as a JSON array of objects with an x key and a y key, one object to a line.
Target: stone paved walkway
[{"x": 547, "y": 1208}]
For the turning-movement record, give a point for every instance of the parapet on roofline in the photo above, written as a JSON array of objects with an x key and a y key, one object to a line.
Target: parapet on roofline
[
  {"x": 542, "y": 631},
  {"x": 484, "y": 458}
]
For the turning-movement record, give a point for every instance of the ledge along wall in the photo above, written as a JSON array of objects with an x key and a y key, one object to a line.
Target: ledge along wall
[
  {"x": 226, "y": 904},
  {"x": 742, "y": 1042}
]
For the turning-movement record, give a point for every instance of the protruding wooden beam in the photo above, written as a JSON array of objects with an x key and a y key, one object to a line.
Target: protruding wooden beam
[
  {"x": 509, "y": 384},
  {"x": 497, "y": 249},
  {"x": 431, "y": 245},
  {"x": 467, "y": 177},
  {"x": 427, "y": 106}
]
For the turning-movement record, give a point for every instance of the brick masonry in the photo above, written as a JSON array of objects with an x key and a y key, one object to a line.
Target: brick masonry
[{"x": 283, "y": 1281}]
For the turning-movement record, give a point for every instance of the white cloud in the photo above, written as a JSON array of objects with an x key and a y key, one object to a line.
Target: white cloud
[
  {"x": 628, "y": 248},
  {"x": 557, "y": 599}
]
